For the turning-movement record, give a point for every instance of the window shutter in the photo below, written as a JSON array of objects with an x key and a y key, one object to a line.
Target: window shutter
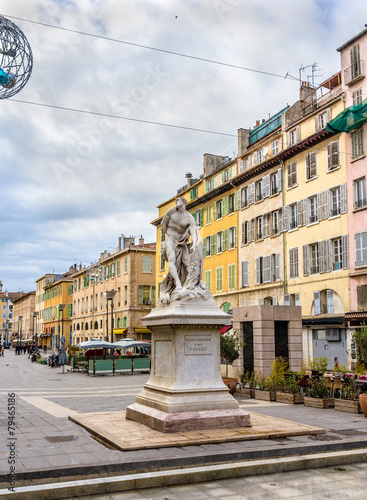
[
  {"x": 305, "y": 219},
  {"x": 69, "y": 311},
  {"x": 279, "y": 180},
  {"x": 280, "y": 220},
  {"x": 267, "y": 269},
  {"x": 291, "y": 263},
  {"x": 275, "y": 300},
  {"x": 257, "y": 264},
  {"x": 230, "y": 173},
  {"x": 253, "y": 226},
  {"x": 316, "y": 303},
  {"x": 245, "y": 280},
  {"x": 225, "y": 204},
  {"x": 343, "y": 199},
  {"x": 223, "y": 176},
  {"x": 248, "y": 231},
  {"x": 235, "y": 235},
  {"x": 299, "y": 213},
  {"x": 242, "y": 166},
  {"x": 326, "y": 204},
  {"x": 327, "y": 251},
  {"x": 251, "y": 193},
  {"x": 215, "y": 210},
  {"x": 204, "y": 247},
  {"x": 306, "y": 261},
  {"x": 266, "y": 186},
  {"x": 345, "y": 257},
  {"x": 201, "y": 216},
  {"x": 288, "y": 139},
  {"x": 261, "y": 302},
  {"x": 226, "y": 239},
  {"x": 140, "y": 295},
  {"x": 285, "y": 218},
  {"x": 239, "y": 197},
  {"x": 287, "y": 300},
  {"x": 320, "y": 206},
  {"x": 235, "y": 198},
  {"x": 152, "y": 295},
  {"x": 321, "y": 256},
  {"x": 330, "y": 301},
  {"x": 298, "y": 133},
  {"x": 317, "y": 123},
  {"x": 243, "y": 229},
  {"x": 277, "y": 267}
]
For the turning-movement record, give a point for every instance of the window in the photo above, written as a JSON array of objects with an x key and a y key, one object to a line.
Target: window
[
  {"x": 337, "y": 255},
  {"x": 293, "y": 136},
  {"x": 335, "y": 202},
  {"x": 258, "y": 190},
  {"x": 232, "y": 237},
  {"x": 357, "y": 97},
  {"x": 333, "y": 160},
  {"x": 232, "y": 203},
  {"x": 218, "y": 210},
  {"x": 259, "y": 227},
  {"x": 248, "y": 163},
  {"x": 245, "y": 274},
  {"x": 259, "y": 156},
  {"x": 118, "y": 268},
  {"x": 147, "y": 264},
  {"x": 275, "y": 147},
  {"x": 316, "y": 303},
  {"x": 360, "y": 193},
  {"x": 198, "y": 216},
  {"x": 293, "y": 263},
  {"x": 357, "y": 144},
  {"x": 208, "y": 212},
  {"x": 242, "y": 166},
  {"x": 246, "y": 232},
  {"x": 314, "y": 250},
  {"x": 146, "y": 295},
  {"x": 355, "y": 62},
  {"x": 125, "y": 265},
  {"x": 220, "y": 242},
  {"x": 125, "y": 295},
  {"x": 244, "y": 197},
  {"x": 208, "y": 280},
  {"x": 292, "y": 174},
  {"x": 232, "y": 276},
  {"x": 219, "y": 276},
  {"x": 227, "y": 175},
  {"x": 267, "y": 268},
  {"x": 275, "y": 222},
  {"x": 209, "y": 185},
  {"x": 275, "y": 182},
  {"x": 193, "y": 193},
  {"x": 361, "y": 249},
  {"x": 312, "y": 209},
  {"x": 162, "y": 262},
  {"x": 293, "y": 216},
  {"x": 207, "y": 246},
  {"x": 311, "y": 167}
]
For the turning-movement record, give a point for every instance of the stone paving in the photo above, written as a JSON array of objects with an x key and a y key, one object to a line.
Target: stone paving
[{"x": 48, "y": 445}]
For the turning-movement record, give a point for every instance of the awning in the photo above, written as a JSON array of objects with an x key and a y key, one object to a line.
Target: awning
[
  {"x": 225, "y": 329},
  {"x": 360, "y": 315},
  {"x": 349, "y": 119},
  {"x": 142, "y": 330},
  {"x": 119, "y": 331}
]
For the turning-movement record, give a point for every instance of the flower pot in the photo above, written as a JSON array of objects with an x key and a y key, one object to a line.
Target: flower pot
[
  {"x": 231, "y": 383},
  {"x": 265, "y": 395},
  {"x": 363, "y": 403},
  {"x": 347, "y": 405},
  {"x": 288, "y": 398},
  {"x": 319, "y": 402}
]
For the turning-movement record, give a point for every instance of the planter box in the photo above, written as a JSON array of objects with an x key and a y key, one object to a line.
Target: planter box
[
  {"x": 347, "y": 405},
  {"x": 319, "y": 402},
  {"x": 248, "y": 391},
  {"x": 265, "y": 395},
  {"x": 291, "y": 399}
]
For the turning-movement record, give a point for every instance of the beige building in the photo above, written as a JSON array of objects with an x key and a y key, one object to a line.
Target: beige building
[
  {"x": 129, "y": 273},
  {"x": 23, "y": 318}
]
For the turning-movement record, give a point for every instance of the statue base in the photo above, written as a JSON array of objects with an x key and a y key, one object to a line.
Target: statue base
[{"x": 185, "y": 390}]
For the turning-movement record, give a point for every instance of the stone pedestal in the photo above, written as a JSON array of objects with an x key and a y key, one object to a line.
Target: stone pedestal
[{"x": 185, "y": 390}]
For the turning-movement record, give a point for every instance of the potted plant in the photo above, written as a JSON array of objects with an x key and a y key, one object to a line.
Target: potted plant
[
  {"x": 349, "y": 399},
  {"x": 317, "y": 394},
  {"x": 229, "y": 351},
  {"x": 290, "y": 392}
]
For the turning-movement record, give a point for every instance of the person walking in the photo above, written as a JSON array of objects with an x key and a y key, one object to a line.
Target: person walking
[{"x": 2, "y": 350}]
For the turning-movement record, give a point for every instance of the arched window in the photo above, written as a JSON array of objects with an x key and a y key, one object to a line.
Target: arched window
[
  {"x": 96, "y": 325},
  {"x": 226, "y": 307}
]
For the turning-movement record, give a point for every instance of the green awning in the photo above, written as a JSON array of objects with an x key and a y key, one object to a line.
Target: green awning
[{"x": 349, "y": 119}]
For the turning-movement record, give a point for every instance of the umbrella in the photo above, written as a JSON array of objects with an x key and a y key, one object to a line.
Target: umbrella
[
  {"x": 126, "y": 343},
  {"x": 96, "y": 344}
]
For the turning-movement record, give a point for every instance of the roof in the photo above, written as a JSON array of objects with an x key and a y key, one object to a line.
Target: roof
[
  {"x": 352, "y": 40},
  {"x": 11, "y": 295}
]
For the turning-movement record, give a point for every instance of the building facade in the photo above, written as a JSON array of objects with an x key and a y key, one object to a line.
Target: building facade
[
  {"x": 120, "y": 284},
  {"x": 7, "y": 316},
  {"x": 57, "y": 310},
  {"x": 23, "y": 318}
]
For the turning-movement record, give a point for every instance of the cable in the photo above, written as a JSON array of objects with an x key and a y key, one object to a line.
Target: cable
[
  {"x": 121, "y": 117},
  {"x": 203, "y": 59}
]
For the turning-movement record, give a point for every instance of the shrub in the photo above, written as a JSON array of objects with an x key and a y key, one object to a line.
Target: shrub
[
  {"x": 229, "y": 348},
  {"x": 319, "y": 364},
  {"x": 359, "y": 337},
  {"x": 317, "y": 388}
]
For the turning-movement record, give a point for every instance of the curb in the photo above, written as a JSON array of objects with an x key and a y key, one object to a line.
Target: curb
[{"x": 105, "y": 485}]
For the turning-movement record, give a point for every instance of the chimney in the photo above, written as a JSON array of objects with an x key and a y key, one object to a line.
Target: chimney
[
  {"x": 243, "y": 141},
  {"x": 141, "y": 240},
  {"x": 306, "y": 91},
  {"x": 189, "y": 178},
  {"x": 80, "y": 266}
]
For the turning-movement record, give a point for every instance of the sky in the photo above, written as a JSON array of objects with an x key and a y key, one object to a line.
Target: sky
[{"x": 71, "y": 183}]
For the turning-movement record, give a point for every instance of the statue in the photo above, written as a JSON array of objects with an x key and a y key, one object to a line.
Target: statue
[{"x": 184, "y": 257}]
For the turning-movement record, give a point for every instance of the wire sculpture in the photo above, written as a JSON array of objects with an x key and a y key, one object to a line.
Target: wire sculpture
[{"x": 16, "y": 60}]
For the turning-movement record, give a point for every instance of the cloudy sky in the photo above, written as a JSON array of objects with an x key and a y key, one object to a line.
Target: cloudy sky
[{"x": 71, "y": 182}]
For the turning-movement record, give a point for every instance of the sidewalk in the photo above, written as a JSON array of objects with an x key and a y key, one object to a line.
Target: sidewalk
[{"x": 51, "y": 448}]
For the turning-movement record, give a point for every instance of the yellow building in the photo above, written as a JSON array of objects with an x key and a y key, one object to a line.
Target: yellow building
[
  {"x": 23, "y": 319},
  {"x": 121, "y": 283},
  {"x": 57, "y": 312}
]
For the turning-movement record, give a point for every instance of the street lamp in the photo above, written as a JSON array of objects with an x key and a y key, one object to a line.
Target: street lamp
[
  {"x": 61, "y": 308},
  {"x": 110, "y": 295},
  {"x": 35, "y": 314},
  {"x": 20, "y": 329}
]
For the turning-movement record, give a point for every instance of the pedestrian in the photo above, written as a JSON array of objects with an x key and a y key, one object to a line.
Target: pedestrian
[
  {"x": 2, "y": 350},
  {"x": 45, "y": 348}
]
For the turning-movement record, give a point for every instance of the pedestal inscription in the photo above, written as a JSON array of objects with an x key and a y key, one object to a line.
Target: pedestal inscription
[{"x": 198, "y": 344}]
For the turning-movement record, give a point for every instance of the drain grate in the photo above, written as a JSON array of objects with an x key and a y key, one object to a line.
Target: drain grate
[
  {"x": 324, "y": 437},
  {"x": 60, "y": 439},
  {"x": 349, "y": 432}
]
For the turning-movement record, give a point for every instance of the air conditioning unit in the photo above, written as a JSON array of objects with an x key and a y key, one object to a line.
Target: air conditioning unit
[
  {"x": 95, "y": 308},
  {"x": 146, "y": 302}
]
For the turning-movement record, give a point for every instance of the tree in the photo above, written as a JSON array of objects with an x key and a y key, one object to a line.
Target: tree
[
  {"x": 229, "y": 348},
  {"x": 360, "y": 339}
]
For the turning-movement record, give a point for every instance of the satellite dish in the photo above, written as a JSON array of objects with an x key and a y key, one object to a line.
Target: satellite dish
[{"x": 16, "y": 60}]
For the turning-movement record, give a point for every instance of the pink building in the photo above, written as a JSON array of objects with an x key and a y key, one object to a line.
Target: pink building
[{"x": 353, "y": 56}]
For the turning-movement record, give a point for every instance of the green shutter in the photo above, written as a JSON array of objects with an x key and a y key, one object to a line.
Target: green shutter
[
  {"x": 153, "y": 295},
  {"x": 201, "y": 217},
  {"x": 140, "y": 298},
  {"x": 235, "y": 236},
  {"x": 215, "y": 210},
  {"x": 235, "y": 200},
  {"x": 69, "y": 311},
  {"x": 230, "y": 173},
  {"x": 204, "y": 247},
  {"x": 226, "y": 242}
]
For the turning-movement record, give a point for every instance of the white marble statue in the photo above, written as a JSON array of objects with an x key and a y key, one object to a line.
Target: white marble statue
[{"x": 184, "y": 257}]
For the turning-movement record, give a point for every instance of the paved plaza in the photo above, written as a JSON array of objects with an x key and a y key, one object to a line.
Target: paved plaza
[{"x": 49, "y": 447}]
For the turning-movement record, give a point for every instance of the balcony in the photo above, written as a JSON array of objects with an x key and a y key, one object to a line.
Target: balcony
[{"x": 354, "y": 73}]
